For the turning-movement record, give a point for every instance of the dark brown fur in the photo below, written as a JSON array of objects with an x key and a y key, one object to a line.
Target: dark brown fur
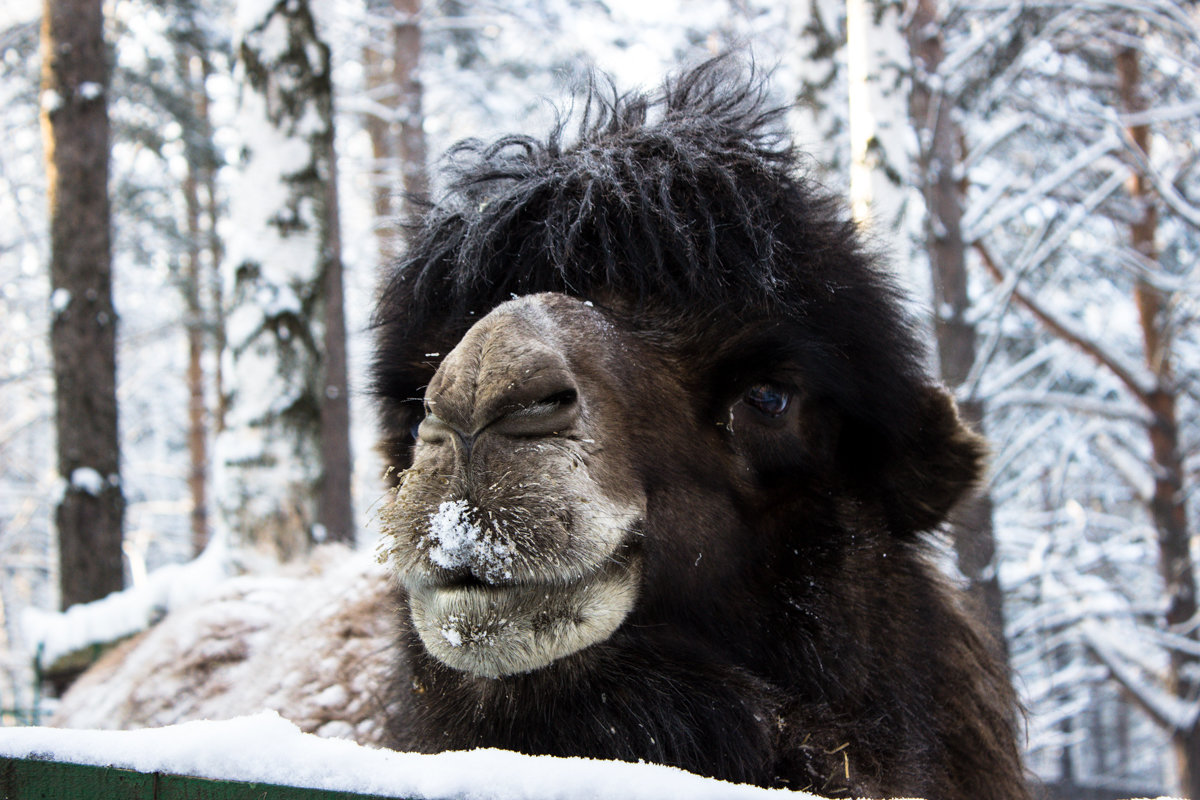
[{"x": 789, "y": 629}]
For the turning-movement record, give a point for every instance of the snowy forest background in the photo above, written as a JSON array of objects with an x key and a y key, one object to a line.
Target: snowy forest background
[{"x": 1031, "y": 169}]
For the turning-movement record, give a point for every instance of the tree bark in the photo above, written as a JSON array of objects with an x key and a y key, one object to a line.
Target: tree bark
[
  {"x": 383, "y": 93},
  {"x": 196, "y": 319},
  {"x": 407, "y": 61},
  {"x": 939, "y": 156},
  {"x": 75, "y": 131},
  {"x": 397, "y": 133},
  {"x": 1168, "y": 505},
  {"x": 335, "y": 512}
]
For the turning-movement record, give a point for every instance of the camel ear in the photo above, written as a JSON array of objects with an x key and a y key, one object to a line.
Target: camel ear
[{"x": 938, "y": 462}]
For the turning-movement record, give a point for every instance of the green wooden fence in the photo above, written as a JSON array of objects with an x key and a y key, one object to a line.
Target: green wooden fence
[{"x": 34, "y": 779}]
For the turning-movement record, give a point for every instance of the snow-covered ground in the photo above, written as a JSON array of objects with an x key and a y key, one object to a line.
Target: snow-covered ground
[{"x": 266, "y": 748}]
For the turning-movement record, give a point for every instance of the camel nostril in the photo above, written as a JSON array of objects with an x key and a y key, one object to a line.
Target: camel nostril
[{"x": 433, "y": 430}]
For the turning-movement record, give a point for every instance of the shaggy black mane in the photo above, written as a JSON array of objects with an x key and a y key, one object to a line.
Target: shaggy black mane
[
  {"x": 689, "y": 196},
  {"x": 672, "y": 197}
]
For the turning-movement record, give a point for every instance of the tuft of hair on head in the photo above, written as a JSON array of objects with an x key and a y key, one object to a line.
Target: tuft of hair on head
[{"x": 673, "y": 196}]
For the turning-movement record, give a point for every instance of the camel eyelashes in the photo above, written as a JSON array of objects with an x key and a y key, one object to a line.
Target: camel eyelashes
[
  {"x": 564, "y": 398},
  {"x": 768, "y": 399}
]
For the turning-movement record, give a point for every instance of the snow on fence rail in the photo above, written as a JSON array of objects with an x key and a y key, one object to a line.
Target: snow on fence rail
[{"x": 265, "y": 756}]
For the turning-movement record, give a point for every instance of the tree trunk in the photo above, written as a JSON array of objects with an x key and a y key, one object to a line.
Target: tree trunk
[
  {"x": 75, "y": 129},
  {"x": 383, "y": 93},
  {"x": 878, "y": 119},
  {"x": 283, "y": 459},
  {"x": 1168, "y": 505},
  {"x": 407, "y": 61},
  {"x": 335, "y": 512},
  {"x": 398, "y": 132},
  {"x": 939, "y": 157},
  {"x": 212, "y": 243},
  {"x": 196, "y": 321}
]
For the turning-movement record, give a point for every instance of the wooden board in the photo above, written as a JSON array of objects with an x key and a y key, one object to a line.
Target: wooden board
[{"x": 34, "y": 779}]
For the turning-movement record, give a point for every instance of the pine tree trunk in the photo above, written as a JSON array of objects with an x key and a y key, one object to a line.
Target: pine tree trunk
[
  {"x": 335, "y": 512},
  {"x": 212, "y": 244},
  {"x": 407, "y": 61},
  {"x": 939, "y": 157},
  {"x": 383, "y": 93},
  {"x": 1168, "y": 505},
  {"x": 283, "y": 459},
  {"x": 398, "y": 135},
  {"x": 195, "y": 323},
  {"x": 75, "y": 128}
]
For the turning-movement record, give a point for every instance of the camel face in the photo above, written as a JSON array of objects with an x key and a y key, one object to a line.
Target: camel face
[{"x": 516, "y": 532}]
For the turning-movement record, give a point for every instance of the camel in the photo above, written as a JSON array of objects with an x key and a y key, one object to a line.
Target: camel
[{"x": 666, "y": 465}]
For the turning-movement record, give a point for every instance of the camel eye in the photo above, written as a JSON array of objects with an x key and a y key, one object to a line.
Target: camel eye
[
  {"x": 767, "y": 399},
  {"x": 414, "y": 430}
]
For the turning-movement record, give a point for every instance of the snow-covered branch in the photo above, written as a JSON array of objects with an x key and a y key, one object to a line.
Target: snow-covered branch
[
  {"x": 1169, "y": 711},
  {"x": 977, "y": 223},
  {"x": 1078, "y": 403},
  {"x": 1132, "y": 468},
  {"x": 1061, "y": 330},
  {"x": 1169, "y": 14},
  {"x": 1159, "y": 114},
  {"x": 998, "y": 381},
  {"x": 1166, "y": 190}
]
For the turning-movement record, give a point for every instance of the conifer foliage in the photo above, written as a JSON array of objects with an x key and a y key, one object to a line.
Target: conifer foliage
[{"x": 283, "y": 462}]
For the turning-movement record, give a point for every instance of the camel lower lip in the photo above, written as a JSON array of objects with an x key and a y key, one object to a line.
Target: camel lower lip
[{"x": 491, "y": 630}]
